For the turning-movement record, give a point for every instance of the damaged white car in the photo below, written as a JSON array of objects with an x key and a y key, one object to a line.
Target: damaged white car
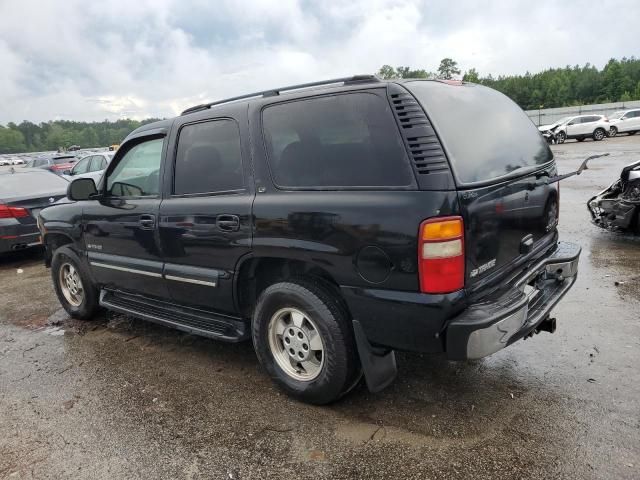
[{"x": 617, "y": 207}]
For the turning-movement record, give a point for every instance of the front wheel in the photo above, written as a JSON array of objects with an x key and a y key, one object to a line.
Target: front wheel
[
  {"x": 598, "y": 134},
  {"x": 561, "y": 137},
  {"x": 613, "y": 131},
  {"x": 73, "y": 285},
  {"x": 303, "y": 338}
]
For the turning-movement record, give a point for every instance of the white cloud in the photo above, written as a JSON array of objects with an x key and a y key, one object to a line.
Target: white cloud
[{"x": 114, "y": 58}]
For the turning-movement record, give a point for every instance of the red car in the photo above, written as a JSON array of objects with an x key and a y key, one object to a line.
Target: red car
[{"x": 57, "y": 164}]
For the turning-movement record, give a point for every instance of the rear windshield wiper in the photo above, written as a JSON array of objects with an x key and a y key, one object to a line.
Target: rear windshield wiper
[{"x": 583, "y": 166}]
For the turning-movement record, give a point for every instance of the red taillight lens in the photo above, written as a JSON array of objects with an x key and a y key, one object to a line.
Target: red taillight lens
[
  {"x": 13, "y": 212},
  {"x": 441, "y": 255}
]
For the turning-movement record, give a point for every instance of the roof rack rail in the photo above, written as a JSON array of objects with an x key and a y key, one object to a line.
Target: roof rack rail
[{"x": 270, "y": 93}]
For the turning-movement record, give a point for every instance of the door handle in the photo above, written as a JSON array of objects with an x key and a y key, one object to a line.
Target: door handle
[
  {"x": 228, "y": 223},
  {"x": 147, "y": 222}
]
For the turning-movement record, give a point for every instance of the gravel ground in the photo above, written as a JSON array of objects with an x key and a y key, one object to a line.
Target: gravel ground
[{"x": 120, "y": 398}]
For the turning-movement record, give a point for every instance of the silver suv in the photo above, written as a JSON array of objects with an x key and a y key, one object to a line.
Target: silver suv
[{"x": 579, "y": 127}]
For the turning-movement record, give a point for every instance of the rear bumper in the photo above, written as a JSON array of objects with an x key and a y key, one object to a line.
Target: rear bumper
[
  {"x": 17, "y": 237},
  {"x": 490, "y": 325}
]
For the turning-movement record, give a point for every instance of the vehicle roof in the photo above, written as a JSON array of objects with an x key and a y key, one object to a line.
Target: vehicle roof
[{"x": 313, "y": 87}]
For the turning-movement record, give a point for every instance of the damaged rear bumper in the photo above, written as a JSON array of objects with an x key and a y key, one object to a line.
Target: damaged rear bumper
[{"x": 490, "y": 325}]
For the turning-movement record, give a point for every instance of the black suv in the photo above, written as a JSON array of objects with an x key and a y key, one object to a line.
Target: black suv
[{"x": 331, "y": 222}]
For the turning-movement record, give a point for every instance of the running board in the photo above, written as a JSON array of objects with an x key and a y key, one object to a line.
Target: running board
[{"x": 190, "y": 320}]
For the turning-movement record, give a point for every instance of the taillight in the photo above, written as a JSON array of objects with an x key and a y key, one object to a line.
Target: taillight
[
  {"x": 13, "y": 212},
  {"x": 441, "y": 255}
]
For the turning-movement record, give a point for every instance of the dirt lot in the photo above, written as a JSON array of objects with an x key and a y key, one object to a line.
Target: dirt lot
[{"x": 120, "y": 398}]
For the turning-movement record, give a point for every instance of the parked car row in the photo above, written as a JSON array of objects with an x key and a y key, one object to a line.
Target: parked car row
[
  {"x": 11, "y": 161},
  {"x": 598, "y": 127}
]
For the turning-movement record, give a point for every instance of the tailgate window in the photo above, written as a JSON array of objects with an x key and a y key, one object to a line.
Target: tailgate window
[{"x": 485, "y": 134}]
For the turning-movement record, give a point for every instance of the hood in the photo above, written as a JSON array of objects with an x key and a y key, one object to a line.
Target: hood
[{"x": 544, "y": 128}]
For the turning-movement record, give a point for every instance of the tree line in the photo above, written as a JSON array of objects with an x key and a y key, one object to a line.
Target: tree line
[
  {"x": 31, "y": 137},
  {"x": 617, "y": 81}
]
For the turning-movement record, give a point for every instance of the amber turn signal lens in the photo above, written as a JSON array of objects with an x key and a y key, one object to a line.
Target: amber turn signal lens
[{"x": 442, "y": 230}]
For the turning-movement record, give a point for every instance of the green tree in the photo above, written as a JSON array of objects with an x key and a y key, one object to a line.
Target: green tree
[
  {"x": 387, "y": 72},
  {"x": 448, "y": 68},
  {"x": 11, "y": 140},
  {"x": 471, "y": 76}
]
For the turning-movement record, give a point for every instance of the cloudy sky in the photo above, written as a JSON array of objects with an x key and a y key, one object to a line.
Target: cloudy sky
[{"x": 91, "y": 60}]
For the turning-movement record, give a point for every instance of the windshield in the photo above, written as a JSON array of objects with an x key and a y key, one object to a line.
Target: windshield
[{"x": 485, "y": 134}]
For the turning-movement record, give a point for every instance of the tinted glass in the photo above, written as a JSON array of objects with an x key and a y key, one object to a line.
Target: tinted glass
[
  {"x": 39, "y": 162},
  {"x": 208, "y": 158},
  {"x": 137, "y": 173},
  {"x": 33, "y": 182},
  {"x": 82, "y": 166},
  {"x": 486, "y": 135},
  {"x": 339, "y": 141}
]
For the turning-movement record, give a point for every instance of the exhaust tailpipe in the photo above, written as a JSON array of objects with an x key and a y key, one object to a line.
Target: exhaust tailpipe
[{"x": 547, "y": 325}]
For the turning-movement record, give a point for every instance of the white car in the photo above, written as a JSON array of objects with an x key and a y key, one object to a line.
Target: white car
[
  {"x": 578, "y": 127},
  {"x": 4, "y": 161},
  {"x": 627, "y": 121},
  {"x": 17, "y": 161},
  {"x": 91, "y": 166}
]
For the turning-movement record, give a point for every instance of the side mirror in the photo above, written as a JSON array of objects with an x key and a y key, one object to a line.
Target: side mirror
[
  {"x": 67, "y": 172},
  {"x": 81, "y": 189}
]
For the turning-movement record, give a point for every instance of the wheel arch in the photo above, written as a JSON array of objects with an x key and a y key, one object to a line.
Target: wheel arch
[
  {"x": 255, "y": 274},
  {"x": 52, "y": 241}
]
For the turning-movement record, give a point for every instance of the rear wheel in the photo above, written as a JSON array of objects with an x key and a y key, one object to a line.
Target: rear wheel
[
  {"x": 613, "y": 131},
  {"x": 561, "y": 137},
  {"x": 73, "y": 285},
  {"x": 303, "y": 338},
  {"x": 598, "y": 134}
]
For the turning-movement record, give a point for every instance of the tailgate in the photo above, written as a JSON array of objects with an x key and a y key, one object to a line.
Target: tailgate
[{"x": 506, "y": 222}]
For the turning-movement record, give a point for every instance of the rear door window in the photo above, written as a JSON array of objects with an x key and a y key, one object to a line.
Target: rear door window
[
  {"x": 485, "y": 134},
  {"x": 97, "y": 163},
  {"x": 342, "y": 141},
  {"x": 208, "y": 158}
]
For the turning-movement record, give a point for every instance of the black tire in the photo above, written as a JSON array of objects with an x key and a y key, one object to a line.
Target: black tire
[
  {"x": 613, "y": 131},
  {"x": 88, "y": 306},
  {"x": 580, "y": 139},
  {"x": 340, "y": 369},
  {"x": 632, "y": 133},
  {"x": 561, "y": 137},
  {"x": 599, "y": 134}
]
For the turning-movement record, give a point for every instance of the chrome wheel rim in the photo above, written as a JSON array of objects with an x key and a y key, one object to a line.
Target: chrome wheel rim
[
  {"x": 71, "y": 284},
  {"x": 613, "y": 132},
  {"x": 599, "y": 135},
  {"x": 561, "y": 137},
  {"x": 296, "y": 344}
]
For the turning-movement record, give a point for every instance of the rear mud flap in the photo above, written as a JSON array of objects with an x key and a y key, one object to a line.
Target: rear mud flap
[{"x": 379, "y": 369}]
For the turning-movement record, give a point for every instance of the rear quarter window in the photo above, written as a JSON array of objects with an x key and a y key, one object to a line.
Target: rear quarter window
[
  {"x": 338, "y": 141},
  {"x": 485, "y": 134}
]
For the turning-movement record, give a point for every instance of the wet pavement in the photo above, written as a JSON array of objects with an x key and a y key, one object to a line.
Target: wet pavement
[{"x": 121, "y": 398}]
